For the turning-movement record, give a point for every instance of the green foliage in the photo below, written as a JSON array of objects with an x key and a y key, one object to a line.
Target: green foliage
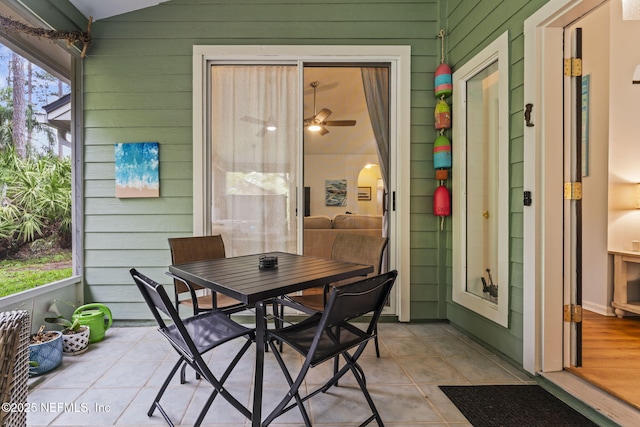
[
  {"x": 35, "y": 198},
  {"x": 68, "y": 324},
  {"x": 20, "y": 275}
]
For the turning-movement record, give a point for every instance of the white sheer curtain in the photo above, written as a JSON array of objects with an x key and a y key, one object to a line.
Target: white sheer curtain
[{"x": 254, "y": 157}]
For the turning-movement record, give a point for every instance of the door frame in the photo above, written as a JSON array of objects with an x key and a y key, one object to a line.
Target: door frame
[
  {"x": 546, "y": 342},
  {"x": 400, "y": 86}
]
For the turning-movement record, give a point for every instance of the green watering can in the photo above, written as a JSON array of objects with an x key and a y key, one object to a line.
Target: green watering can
[{"x": 97, "y": 317}]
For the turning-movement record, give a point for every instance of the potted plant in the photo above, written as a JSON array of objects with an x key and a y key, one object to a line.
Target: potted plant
[
  {"x": 75, "y": 337},
  {"x": 45, "y": 351}
]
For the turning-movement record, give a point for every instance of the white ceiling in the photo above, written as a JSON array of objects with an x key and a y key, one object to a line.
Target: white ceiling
[{"x": 100, "y": 9}]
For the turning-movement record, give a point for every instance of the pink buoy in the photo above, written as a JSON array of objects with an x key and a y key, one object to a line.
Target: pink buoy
[{"x": 442, "y": 81}]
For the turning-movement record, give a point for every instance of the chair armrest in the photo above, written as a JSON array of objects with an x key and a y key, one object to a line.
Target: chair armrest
[{"x": 192, "y": 292}]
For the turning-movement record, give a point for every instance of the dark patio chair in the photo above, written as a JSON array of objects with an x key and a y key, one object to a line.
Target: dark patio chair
[
  {"x": 191, "y": 338},
  {"x": 327, "y": 335},
  {"x": 199, "y": 248},
  {"x": 356, "y": 248}
]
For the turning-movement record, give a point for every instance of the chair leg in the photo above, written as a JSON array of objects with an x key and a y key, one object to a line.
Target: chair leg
[
  {"x": 183, "y": 373},
  {"x": 218, "y": 385},
  {"x": 363, "y": 386},
  {"x": 292, "y": 394},
  {"x": 156, "y": 401},
  {"x": 183, "y": 376},
  {"x": 375, "y": 342}
]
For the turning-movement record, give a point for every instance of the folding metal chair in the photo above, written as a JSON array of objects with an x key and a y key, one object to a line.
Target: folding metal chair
[
  {"x": 324, "y": 336},
  {"x": 356, "y": 248},
  {"x": 191, "y": 338}
]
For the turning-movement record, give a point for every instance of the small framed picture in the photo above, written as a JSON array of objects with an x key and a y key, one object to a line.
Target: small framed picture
[{"x": 364, "y": 193}]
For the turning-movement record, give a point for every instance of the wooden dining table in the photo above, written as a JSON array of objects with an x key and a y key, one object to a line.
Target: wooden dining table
[{"x": 242, "y": 278}]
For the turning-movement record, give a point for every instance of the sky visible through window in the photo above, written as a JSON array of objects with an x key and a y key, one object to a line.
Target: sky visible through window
[{"x": 46, "y": 89}]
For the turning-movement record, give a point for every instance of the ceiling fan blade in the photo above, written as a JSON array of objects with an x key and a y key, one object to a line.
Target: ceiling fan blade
[
  {"x": 339, "y": 123},
  {"x": 322, "y": 115},
  {"x": 323, "y": 130},
  {"x": 253, "y": 120}
]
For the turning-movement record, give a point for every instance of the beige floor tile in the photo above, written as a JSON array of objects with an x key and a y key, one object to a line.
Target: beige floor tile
[{"x": 125, "y": 370}]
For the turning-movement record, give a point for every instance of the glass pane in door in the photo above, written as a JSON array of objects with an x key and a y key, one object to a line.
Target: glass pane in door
[
  {"x": 482, "y": 183},
  {"x": 254, "y": 157}
]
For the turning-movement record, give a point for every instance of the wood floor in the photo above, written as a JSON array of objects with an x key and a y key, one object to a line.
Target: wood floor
[{"x": 611, "y": 355}]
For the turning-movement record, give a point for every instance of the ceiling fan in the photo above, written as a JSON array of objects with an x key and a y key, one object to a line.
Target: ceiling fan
[{"x": 318, "y": 121}]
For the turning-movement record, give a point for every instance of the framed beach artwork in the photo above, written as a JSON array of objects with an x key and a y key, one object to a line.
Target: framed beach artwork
[
  {"x": 137, "y": 169},
  {"x": 335, "y": 192}
]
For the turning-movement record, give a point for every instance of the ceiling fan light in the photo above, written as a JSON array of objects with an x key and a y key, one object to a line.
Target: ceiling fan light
[{"x": 314, "y": 128}]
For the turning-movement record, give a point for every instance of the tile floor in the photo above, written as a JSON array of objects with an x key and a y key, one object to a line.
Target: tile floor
[{"x": 114, "y": 382}]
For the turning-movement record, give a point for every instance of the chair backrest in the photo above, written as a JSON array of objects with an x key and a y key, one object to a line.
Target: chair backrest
[
  {"x": 158, "y": 301},
  {"x": 359, "y": 249},
  {"x": 356, "y": 299},
  {"x": 156, "y": 298},
  {"x": 192, "y": 249}
]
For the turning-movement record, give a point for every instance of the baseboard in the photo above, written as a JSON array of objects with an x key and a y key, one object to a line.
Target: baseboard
[{"x": 598, "y": 308}]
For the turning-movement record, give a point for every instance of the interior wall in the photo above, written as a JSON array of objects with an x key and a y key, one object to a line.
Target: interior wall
[
  {"x": 319, "y": 168},
  {"x": 596, "y": 291},
  {"x": 624, "y": 151},
  {"x": 370, "y": 176}
]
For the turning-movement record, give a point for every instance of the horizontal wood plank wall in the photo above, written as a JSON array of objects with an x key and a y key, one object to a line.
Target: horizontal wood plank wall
[
  {"x": 137, "y": 87},
  {"x": 472, "y": 25}
]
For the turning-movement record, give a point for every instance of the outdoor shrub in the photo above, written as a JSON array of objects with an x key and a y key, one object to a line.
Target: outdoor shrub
[{"x": 35, "y": 199}]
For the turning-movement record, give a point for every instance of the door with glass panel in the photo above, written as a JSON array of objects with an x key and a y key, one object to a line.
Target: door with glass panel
[{"x": 254, "y": 132}]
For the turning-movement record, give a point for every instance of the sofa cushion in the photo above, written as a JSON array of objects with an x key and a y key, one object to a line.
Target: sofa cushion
[
  {"x": 342, "y": 221},
  {"x": 317, "y": 222}
]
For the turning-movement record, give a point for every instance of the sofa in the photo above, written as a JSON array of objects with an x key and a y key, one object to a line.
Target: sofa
[{"x": 321, "y": 231}]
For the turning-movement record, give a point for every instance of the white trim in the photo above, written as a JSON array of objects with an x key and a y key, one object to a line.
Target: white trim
[
  {"x": 13, "y": 299},
  {"x": 498, "y": 50},
  {"x": 400, "y": 59},
  {"x": 543, "y": 338}
]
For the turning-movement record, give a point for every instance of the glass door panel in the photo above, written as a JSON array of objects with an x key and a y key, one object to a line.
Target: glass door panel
[{"x": 254, "y": 157}]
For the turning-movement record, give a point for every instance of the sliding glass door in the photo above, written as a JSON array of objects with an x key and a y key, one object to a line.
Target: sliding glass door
[{"x": 254, "y": 133}]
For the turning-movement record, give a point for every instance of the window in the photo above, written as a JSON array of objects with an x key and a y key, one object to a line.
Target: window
[{"x": 481, "y": 183}]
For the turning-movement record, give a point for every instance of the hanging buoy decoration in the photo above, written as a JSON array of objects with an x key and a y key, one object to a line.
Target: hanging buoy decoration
[
  {"x": 441, "y": 203},
  {"x": 443, "y": 82},
  {"x": 443, "y": 88},
  {"x": 442, "y": 153}
]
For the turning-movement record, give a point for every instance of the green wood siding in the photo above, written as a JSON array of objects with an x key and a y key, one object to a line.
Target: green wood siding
[
  {"x": 138, "y": 87},
  {"x": 470, "y": 26}
]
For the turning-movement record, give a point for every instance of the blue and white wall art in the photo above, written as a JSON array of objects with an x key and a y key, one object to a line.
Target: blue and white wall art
[{"x": 137, "y": 169}]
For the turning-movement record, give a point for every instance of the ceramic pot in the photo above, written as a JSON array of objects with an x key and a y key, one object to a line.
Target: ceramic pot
[
  {"x": 46, "y": 355},
  {"x": 76, "y": 343}
]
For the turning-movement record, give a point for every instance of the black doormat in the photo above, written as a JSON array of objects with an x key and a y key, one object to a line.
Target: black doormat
[{"x": 513, "y": 405}]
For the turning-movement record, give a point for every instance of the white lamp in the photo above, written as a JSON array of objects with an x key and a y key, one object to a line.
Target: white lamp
[{"x": 636, "y": 76}]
